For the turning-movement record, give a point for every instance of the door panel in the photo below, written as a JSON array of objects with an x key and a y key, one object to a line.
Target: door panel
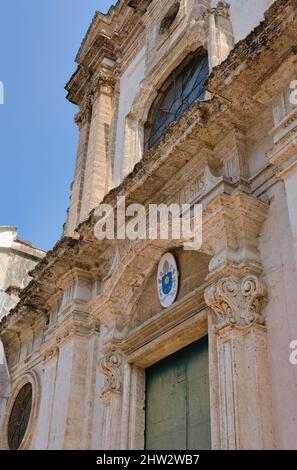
[
  {"x": 177, "y": 401},
  {"x": 198, "y": 420}
]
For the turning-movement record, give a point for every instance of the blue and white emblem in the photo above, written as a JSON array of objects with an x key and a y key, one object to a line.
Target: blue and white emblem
[{"x": 167, "y": 281}]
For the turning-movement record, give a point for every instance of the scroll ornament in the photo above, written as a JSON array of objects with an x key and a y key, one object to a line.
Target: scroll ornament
[{"x": 237, "y": 302}]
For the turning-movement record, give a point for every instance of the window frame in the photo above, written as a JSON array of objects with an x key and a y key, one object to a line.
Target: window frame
[
  {"x": 33, "y": 378},
  {"x": 201, "y": 57}
]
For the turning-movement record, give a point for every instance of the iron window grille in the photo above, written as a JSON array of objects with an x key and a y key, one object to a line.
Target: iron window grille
[{"x": 184, "y": 87}]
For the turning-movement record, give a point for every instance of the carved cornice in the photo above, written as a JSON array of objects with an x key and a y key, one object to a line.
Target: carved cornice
[
  {"x": 100, "y": 55},
  {"x": 237, "y": 302}
]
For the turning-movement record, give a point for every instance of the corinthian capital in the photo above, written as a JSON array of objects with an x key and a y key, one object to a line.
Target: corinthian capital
[
  {"x": 104, "y": 82},
  {"x": 223, "y": 9},
  {"x": 237, "y": 302}
]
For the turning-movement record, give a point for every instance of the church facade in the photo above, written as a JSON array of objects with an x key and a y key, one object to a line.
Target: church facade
[{"x": 180, "y": 102}]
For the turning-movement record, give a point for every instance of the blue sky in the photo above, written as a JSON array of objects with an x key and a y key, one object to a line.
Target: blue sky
[{"x": 38, "y": 138}]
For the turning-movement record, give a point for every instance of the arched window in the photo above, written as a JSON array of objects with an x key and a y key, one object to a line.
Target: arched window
[
  {"x": 183, "y": 87},
  {"x": 19, "y": 417}
]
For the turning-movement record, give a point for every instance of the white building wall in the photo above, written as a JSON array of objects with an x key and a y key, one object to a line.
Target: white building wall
[
  {"x": 291, "y": 191},
  {"x": 45, "y": 416},
  {"x": 281, "y": 278},
  {"x": 129, "y": 87}
]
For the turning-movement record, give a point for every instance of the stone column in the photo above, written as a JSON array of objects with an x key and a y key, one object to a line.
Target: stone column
[
  {"x": 133, "y": 145},
  {"x": 237, "y": 295},
  {"x": 96, "y": 170},
  {"x": 82, "y": 119},
  {"x": 212, "y": 40},
  {"x": 221, "y": 38}
]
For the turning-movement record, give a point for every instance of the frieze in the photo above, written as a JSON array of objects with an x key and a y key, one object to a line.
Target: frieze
[{"x": 195, "y": 188}]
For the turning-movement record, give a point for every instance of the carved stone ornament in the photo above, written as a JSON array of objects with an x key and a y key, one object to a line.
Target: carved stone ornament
[
  {"x": 106, "y": 77},
  {"x": 237, "y": 302},
  {"x": 223, "y": 9},
  {"x": 84, "y": 115},
  {"x": 104, "y": 82},
  {"x": 111, "y": 366}
]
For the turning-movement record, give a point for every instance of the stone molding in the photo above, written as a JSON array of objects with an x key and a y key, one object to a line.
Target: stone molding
[{"x": 76, "y": 324}]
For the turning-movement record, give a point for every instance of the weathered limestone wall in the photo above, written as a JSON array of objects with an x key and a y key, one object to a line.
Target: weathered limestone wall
[
  {"x": 277, "y": 251},
  {"x": 95, "y": 180},
  {"x": 17, "y": 258},
  {"x": 68, "y": 394}
]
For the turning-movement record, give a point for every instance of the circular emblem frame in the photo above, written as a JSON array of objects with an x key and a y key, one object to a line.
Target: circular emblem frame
[
  {"x": 167, "y": 280},
  {"x": 29, "y": 377}
]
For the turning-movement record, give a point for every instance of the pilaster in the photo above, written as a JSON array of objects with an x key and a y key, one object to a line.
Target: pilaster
[
  {"x": 70, "y": 361},
  {"x": 237, "y": 296},
  {"x": 83, "y": 120},
  {"x": 96, "y": 170},
  {"x": 115, "y": 399},
  {"x": 221, "y": 38}
]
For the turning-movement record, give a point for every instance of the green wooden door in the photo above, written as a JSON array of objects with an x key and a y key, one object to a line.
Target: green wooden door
[{"x": 177, "y": 401}]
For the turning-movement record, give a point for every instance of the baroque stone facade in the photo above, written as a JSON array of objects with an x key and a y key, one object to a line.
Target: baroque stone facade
[{"x": 89, "y": 325}]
